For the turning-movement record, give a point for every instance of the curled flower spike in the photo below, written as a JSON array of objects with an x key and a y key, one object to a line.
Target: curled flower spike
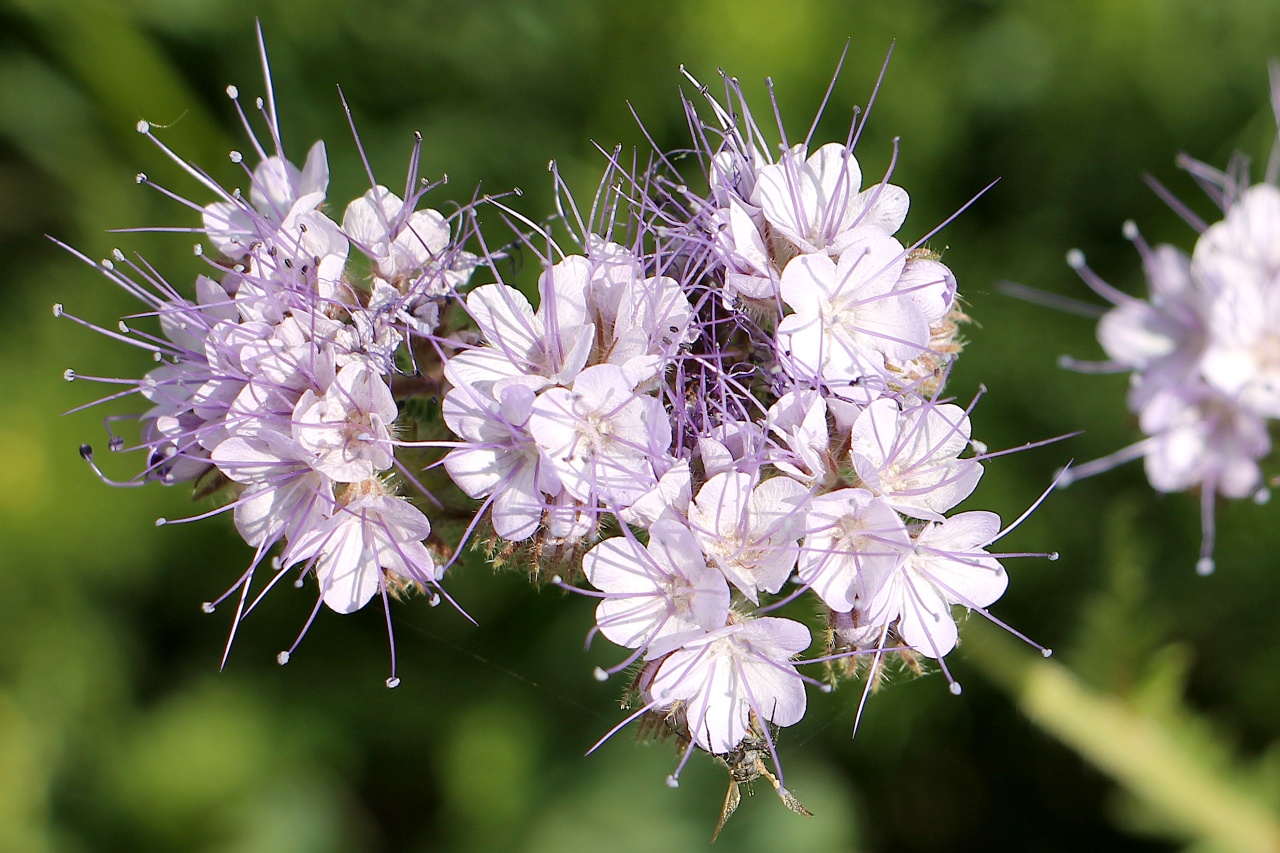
[{"x": 727, "y": 394}]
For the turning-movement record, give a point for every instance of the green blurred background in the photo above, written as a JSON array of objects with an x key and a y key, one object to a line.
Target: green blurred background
[{"x": 117, "y": 732}]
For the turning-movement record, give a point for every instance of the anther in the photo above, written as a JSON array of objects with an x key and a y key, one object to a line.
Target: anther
[
  {"x": 207, "y": 607},
  {"x": 86, "y": 452},
  {"x": 123, "y": 327},
  {"x": 1205, "y": 566},
  {"x": 117, "y": 254},
  {"x": 282, "y": 658},
  {"x": 144, "y": 127},
  {"x": 1075, "y": 259},
  {"x": 393, "y": 682},
  {"x": 115, "y": 444},
  {"x": 57, "y": 309},
  {"x": 955, "y": 688},
  {"x": 233, "y": 93},
  {"x": 161, "y": 521},
  {"x": 673, "y": 782},
  {"x": 107, "y": 265},
  {"x": 197, "y": 250},
  {"x": 1129, "y": 230},
  {"x": 1262, "y": 496},
  {"x": 599, "y": 674},
  {"x": 69, "y": 375},
  {"x": 258, "y": 103},
  {"x": 1053, "y": 556},
  {"x": 1047, "y": 653},
  {"x": 298, "y": 584},
  {"x": 140, "y": 178},
  {"x": 236, "y": 157}
]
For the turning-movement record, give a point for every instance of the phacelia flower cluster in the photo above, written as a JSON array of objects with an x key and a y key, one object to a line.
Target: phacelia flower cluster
[
  {"x": 722, "y": 400},
  {"x": 1203, "y": 348},
  {"x": 274, "y": 385}
]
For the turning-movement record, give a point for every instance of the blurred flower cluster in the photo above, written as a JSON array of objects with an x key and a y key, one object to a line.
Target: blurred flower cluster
[
  {"x": 721, "y": 401},
  {"x": 1204, "y": 347}
]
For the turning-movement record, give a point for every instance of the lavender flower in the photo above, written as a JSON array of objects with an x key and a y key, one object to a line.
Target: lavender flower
[
  {"x": 274, "y": 386},
  {"x": 1202, "y": 349},
  {"x": 716, "y": 396},
  {"x": 746, "y": 394}
]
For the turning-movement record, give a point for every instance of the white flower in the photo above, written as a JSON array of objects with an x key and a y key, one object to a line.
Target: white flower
[
  {"x": 946, "y": 566},
  {"x": 723, "y": 676},
  {"x": 749, "y": 529},
  {"x": 848, "y": 316},
  {"x": 816, "y": 204},
  {"x": 911, "y": 459},
  {"x": 353, "y": 547},
  {"x": 600, "y": 437},
  {"x": 853, "y": 542},
  {"x": 347, "y": 428},
  {"x": 660, "y": 590}
]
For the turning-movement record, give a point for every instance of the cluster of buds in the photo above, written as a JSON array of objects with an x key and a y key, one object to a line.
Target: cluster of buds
[
  {"x": 1204, "y": 348},
  {"x": 722, "y": 402}
]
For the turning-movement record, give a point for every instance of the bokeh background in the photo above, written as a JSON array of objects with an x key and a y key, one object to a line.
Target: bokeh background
[{"x": 1153, "y": 728}]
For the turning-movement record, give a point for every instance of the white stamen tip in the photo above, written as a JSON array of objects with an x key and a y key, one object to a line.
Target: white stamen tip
[
  {"x": 1262, "y": 496},
  {"x": 207, "y": 607},
  {"x": 1205, "y": 566},
  {"x": 161, "y": 521},
  {"x": 1075, "y": 259},
  {"x": 1129, "y": 230},
  {"x": 140, "y": 178},
  {"x": 106, "y": 264},
  {"x": 144, "y": 127},
  {"x": 117, "y": 254},
  {"x": 955, "y": 688},
  {"x": 557, "y": 580},
  {"x": 434, "y": 600},
  {"x": 1065, "y": 478},
  {"x": 825, "y": 688},
  {"x": 1046, "y": 653},
  {"x": 57, "y": 309},
  {"x": 236, "y": 156},
  {"x": 1053, "y": 556},
  {"x": 393, "y": 682},
  {"x": 298, "y": 584},
  {"x": 258, "y": 103},
  {"x": 233, "y": 92},
  {"x": 673, "y": 782},
  {"x": 123, "y": 327},
  {"x": 599, "y": 674},
  {"x": 197, "y": 250},
  {"x": 69, "y": 375},
  {"x": 282, "y": 658}
]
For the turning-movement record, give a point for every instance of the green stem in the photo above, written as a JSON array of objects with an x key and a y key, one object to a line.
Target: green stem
[{"x": 1132, "y": 747}]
